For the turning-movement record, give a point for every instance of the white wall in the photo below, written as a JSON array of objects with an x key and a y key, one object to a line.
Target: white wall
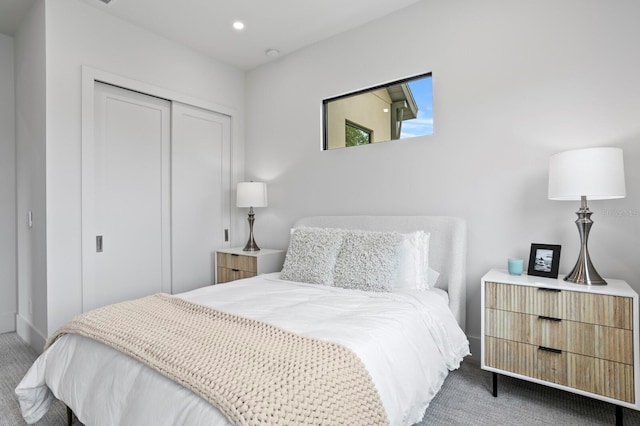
[
  {"x": 513, "y": 83},
  {"x": 78, "y": 34},
  {"x": 31, "y": 321},
  {"x": 8, "y": 287}
]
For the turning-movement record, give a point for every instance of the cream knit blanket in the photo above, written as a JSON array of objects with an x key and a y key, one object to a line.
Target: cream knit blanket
[{"x": 253, "y": 372}]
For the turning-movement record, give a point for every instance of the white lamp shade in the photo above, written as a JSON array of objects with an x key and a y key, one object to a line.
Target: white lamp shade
[
  {"x": 597, "y": 173},
  {"x": 251, "y": 194}
]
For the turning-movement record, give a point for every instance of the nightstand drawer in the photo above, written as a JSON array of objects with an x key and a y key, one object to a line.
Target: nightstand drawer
[
  {"x": 227, "y": 274},
  {"x": 613, "y": 344},
  {"x": 238, "y": 262},
  {"x": 235, "y": 263},
  {"x": 611, "y": 311}
]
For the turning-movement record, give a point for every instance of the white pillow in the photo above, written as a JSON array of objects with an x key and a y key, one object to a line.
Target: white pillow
[
  {"x": 413, "y": 270},
  {"x": 368, "y": 260},
  {"x": 312, "y": 254},
  {"x": 432, "y": 277}
]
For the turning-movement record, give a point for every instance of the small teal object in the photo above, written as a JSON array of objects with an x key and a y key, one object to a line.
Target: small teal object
[{"x": 515, "y": 266}]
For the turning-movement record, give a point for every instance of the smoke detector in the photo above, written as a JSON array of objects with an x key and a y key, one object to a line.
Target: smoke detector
[{"x": 272, "y": 53}]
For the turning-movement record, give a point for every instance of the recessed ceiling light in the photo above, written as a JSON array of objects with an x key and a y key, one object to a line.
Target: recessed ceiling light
[{"x": 238, "y": 25}]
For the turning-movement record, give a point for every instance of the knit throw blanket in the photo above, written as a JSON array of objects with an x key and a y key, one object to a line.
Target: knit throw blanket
[{"x": 253, "y": 372}]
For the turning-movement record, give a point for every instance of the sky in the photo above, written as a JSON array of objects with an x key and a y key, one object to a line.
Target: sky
[{"x": 422, "y": 90}]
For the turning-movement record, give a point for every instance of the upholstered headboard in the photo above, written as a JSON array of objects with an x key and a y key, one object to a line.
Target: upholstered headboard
[{"x": 447, "y": 246}]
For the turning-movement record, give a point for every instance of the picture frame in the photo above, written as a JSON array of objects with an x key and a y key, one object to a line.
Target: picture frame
[{"x": 544, "y": 260}]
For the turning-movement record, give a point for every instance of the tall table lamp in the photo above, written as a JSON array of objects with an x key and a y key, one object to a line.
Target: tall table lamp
[
  {"x": 251, "y": 194},
  {"x": 594, "y": 174}
]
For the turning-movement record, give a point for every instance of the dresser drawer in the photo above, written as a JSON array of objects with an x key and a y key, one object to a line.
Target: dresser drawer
[
  {"x": 609, "y": 343},
  {"x": 598, "y": 309},
  {"x": 528, "y": 360},
  {"x": 238, "y": 262},
  {"x": 601, "y": 377}
]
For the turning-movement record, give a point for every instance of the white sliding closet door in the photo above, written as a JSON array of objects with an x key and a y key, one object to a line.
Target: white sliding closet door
[
  {"x": 126, "y": 204},
  {"x": 199, "y": 193},
  {"x": 155, "y": 196}
]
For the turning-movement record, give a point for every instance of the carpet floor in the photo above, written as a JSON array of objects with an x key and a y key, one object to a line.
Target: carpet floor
[{"x": 465, "y": 398}]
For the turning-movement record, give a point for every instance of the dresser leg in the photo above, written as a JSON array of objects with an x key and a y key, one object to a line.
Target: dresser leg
[
  {"x": 619, "y": 421},
  {"x": 495, "y": 386}
]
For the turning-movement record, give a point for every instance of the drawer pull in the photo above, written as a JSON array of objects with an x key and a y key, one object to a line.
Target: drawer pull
[
  {"x": 236, "y": 255},
  {"x": 236, "y": 270},
  {"x": 544, "y": 348},
  {"x": 554, "y": 290},
  {"x": 549, "y": 318}
]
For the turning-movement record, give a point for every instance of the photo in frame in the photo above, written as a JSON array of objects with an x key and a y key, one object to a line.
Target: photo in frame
[{"x": 544, "y": 260}]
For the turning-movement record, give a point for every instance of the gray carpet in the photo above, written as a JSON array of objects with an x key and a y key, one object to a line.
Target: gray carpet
[
  {"x": 465, "y": 398},
  {"x": 15, "y": 359}
]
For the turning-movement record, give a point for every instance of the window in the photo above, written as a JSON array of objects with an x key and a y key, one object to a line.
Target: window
[
  {"x": 397, "y": 110},
  {"x": 356, "y": 135}
]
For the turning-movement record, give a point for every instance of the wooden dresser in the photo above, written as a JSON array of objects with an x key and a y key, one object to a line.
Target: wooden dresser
[
  {"x": 234, "y": 263},
  {"x": 582, "y": 339}
]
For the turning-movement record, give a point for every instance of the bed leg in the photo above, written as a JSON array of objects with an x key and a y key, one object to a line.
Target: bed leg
[
  {"x": 495, "y": 385},
  {"x": 69, "y": 416}
]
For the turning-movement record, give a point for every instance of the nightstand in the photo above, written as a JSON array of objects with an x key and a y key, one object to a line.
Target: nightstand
[
  {"x": 234, "y": 263},
  {"x": 578, "y": 338}
]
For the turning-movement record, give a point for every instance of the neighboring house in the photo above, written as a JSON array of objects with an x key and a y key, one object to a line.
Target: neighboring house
[{"x": 371, "y": 117}]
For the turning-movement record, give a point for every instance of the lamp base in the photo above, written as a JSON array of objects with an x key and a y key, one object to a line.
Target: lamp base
[
  {"x": 251, "y": 244},
  {"x": 584, "y": 272}
]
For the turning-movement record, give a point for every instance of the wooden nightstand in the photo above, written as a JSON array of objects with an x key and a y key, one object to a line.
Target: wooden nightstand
[
  {"x": 234, "y": 263},
  {"x": 582, "y": 339}
]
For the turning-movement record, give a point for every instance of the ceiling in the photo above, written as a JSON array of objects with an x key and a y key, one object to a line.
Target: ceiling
[{"x": 206, "y": 25}]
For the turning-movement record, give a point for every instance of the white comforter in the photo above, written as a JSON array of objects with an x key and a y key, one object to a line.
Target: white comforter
[{"x": 408, "y": 340}]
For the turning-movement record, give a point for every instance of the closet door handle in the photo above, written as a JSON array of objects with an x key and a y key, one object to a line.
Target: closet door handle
[{"x": 98, "y": 243}]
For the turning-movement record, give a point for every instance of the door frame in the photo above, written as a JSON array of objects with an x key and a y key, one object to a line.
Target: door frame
[{"x": 92, "y": 75}]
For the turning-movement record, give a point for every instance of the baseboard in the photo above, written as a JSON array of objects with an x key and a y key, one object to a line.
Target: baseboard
[
  {"x": 29, "y": 334},
  {"x": 7, "y": 322},
  {"x": 475, "y": 347}
]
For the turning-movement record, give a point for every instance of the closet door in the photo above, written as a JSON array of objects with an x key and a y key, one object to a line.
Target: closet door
[
  {"x": 126, "y": 203},
  {"x": 199, "y": 193}
]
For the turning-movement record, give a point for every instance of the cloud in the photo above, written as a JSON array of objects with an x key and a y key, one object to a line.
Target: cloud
[{"x": 421, "y": 126}]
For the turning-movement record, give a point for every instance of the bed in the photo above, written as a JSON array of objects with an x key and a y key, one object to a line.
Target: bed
[{"x": 407, "y": 339}]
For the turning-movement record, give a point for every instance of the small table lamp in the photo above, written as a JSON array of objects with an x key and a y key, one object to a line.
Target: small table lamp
[
  {"x": 593, "y": 173},
  {"x": 251, "y": 194}
]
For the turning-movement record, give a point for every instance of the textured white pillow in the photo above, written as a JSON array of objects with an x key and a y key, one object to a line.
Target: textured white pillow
[
  {"x": 368, "y": 260},
  {"x": 312, "y": 254},
  {"x": 413, "y": 265}
]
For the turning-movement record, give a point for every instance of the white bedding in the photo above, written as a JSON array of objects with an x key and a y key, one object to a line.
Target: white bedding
[{"x": 408, "y": 340}]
